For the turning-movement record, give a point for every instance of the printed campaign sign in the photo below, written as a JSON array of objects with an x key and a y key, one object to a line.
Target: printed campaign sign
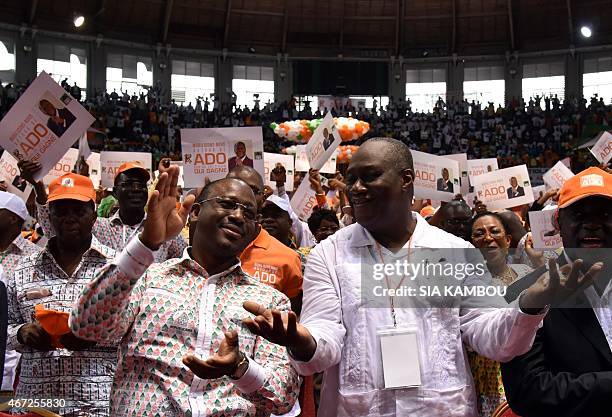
[
  {"x": 543, "y": 232},
  {"x": 323, "y": 142},
  {"x": 111, "y": 161},
  {"x": 214, "y": 152},
  {"x": 272, "y": 160},
  {"x": 504, "y": 188},
  {"x": 602, "y": 150},
  {"x": 66, "y": 165},
  {"x": 461, "y": 158},
  {"x": 9, "y": 173},
  {"x": 557, "y": 175},
  {"x": 435, "y": 177},
  {"x": 304, "y": 200},
  {"x": 537, "y": 190},
  {"x": 302, "y": 165},
  {"x": 43, "y": 124},
  {"x": 480, "y": 166}
]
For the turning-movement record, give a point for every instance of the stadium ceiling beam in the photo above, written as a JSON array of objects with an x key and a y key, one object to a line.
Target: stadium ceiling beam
[
  {"x": 33, "y": 7},
  {"x": 454, "y": 41},
  {"x": 450, "y": 16},
  {"x": 341, "y": 39},
  {"x": 228, "y": 14},
  {"x": 511, "y": 26},
  {"x": 257, "y": 12},
  {"x": 570, "y": 21},
  {"x": 285, "y": 27},
  {"x": 166, "y": 24},
  {"x": 401, "y": 4}
]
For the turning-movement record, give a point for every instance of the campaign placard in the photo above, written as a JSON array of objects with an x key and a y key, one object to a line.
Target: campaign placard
[
  {"x": 543, "y": 232},
  {"x": 435, "y": 177},
  {"x": 9, "y": 173},
  {"x": 302, "y": 165},
  {"x": 504, "y": 188},
  {"x": 538, "y": 191},
  {"x": 304, "y": 200},
  {"x": 111, "y": 161},
  {"x": 43, "y": 124},
  {"x": 323, "y": 143},
  {"x": 602, "y": 150},
  {"x": 214, "y": 152},
  {"x": 557, "y": 175},
  {"x": 461, "y": 158},
  {"x": 282, "y": 161},
  {"x": 66, "y": 165},
  {"x": 477, "y": 167}
]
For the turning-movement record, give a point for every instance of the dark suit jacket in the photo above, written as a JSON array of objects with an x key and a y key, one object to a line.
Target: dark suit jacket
[
  {"x": 58, "y": 129},
  {"x": 440, "y": 185},
  {"x": 567, "y": 372},
  {"x": 520, "y": 192},
  {"x": 231, "y": 164}
]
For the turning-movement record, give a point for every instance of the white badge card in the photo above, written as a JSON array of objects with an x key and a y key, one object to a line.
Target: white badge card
[{"x": 400, "y": 358}]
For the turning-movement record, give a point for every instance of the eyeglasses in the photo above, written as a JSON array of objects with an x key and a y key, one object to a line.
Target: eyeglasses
[{"x": 230, "y": 205}]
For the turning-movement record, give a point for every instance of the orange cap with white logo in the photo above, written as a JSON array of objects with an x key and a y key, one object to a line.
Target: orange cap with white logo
[
  {"x": 589, "y": 183},
  {"x": 132, "y": 165},
  {"x": 72, "y": 187}
]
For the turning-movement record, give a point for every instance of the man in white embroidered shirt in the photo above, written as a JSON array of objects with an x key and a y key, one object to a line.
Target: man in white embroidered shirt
[{"x": 338, "y": 334}]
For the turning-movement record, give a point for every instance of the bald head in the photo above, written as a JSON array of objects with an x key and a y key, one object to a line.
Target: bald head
[
  {"x": 455, "y": 218},
  {"x": 391, "y": 151},
  {"x": 253, "y": 180}
]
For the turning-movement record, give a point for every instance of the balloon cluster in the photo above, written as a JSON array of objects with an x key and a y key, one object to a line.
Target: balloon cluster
[
  {"x": 301, "y": 131},
  {"x": 345, "y": 153}
]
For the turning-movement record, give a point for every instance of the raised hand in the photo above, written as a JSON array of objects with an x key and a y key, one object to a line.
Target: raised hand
[
  {"x": 281, "y": 329},
  {"x": 28, "y": 169},
  {"x": 224, "y": 362},
  {"x": 164, "y": 221},
  {"x": 557, "y": 285}
]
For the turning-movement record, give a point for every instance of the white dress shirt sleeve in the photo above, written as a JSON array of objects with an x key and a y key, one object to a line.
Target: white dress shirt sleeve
[{"x": 321, "y": 313}]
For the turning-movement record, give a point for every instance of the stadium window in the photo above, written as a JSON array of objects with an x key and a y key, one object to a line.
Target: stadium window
[
  {"x": 485, "y": 85},
  {"x": 424, "y": 87},
  {"x": 7, "y": 61},
  {"x": 250, "y": 80},
  {"x": 63, "y": 62},
  {"x": 128, "y": 73},
  {"x": 191, "y": 80},
  {"x": 597, "y": 79},
  {"x": 368, "y": 102},
  {"x": 544, "y": 80}
]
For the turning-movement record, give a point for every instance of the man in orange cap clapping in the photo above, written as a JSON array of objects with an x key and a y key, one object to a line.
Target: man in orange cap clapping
[{"x": 55, "y": 363}]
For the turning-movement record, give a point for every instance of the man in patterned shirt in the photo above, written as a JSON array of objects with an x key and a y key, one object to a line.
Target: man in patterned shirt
[
  {"x": 131, "y": 193},
  {"x": 61, "y": 367},
  {"x": 13, "y": 247},
  {"x": 184, "y": 351}
]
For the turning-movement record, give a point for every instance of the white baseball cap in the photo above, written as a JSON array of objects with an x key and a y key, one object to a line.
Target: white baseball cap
[
  {"x": 13, "y": 204},
  {"x": 282, "y": 203}
]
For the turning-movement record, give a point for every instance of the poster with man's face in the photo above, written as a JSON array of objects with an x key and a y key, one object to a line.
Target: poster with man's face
[
  {"x": 213, "y": 153},
  {"x": 43, "y": 124},
  {"x": 504, "y": 188},
  {"x": 435, "y": 177}
]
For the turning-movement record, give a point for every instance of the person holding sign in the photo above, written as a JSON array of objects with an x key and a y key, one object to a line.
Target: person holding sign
[
  {"x": 340, "y": 336},
  {"x": 240, "y": 158},
  {"x": 56, "y": 363},
  {"x": 183, "y": 351},
  {"x": 444, "y": 183},
  {"x": 515, "y": 190},
  {"x": 568, "y": 371}
]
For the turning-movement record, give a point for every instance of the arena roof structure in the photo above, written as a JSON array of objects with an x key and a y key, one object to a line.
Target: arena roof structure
[{"x": 377, "y": 29}]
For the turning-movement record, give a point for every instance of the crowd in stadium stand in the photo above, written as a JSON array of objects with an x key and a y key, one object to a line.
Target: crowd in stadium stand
[{"x": 537, "y": 133}]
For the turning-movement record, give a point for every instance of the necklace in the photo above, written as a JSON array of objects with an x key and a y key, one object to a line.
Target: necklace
[{"x": 507, "y": 276}]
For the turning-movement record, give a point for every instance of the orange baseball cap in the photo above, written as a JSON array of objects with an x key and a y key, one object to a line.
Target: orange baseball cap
[
  {"x": 427, "y": 211},
  {"x": 588, "y": 183},
  {"x": 72, "y": 187},
  {"x": 132, "y": 165}
]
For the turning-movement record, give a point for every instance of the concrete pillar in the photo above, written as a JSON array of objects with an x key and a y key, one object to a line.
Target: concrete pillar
[
  {"x": 573, "y": 75},
  {"x": 96, "y": 68},
  {"x": 162, "y": 73},
  {"x": 513, "y": 80},
  {"x": 223, "y": 80},
  {"x": 25, "y": 58},
  {"x": 454, "y": 81},
  {"x": 397, "y": 81},
  {"x": 283, "y": 81}
]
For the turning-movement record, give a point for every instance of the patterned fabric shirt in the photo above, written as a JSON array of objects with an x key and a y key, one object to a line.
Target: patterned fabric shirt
[
  {"x": 172, "y": 310},
  {"x": 9, "y": 259},
  {"x": 113, "y": 233},
  {"x": 82, "y": 378}
]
